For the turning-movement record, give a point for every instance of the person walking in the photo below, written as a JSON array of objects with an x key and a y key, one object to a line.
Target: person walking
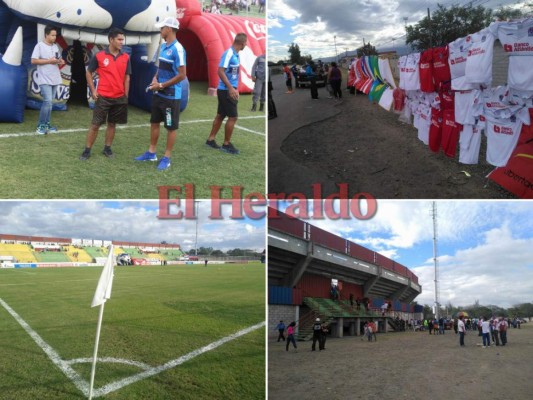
[
  {"x": 502, "y": 327},
  {"x": 322, "y": 344},
  {"x": 317, "y": 334},
  {"x": 166, "y": 85},
  {"x": 494, "y": 331},
  {"x": 290, "y": 336},
  {"x": 228, "y": 95},
  {"x": 485, "y": 332},
  {"x": 462, "y": 330},
  {"x": 47, "y": 56},
  {"x": 312, "y": 81},
  {"x": 114, "y": 68},
  {"x": 281, "y": 329},
  {"x": 335, "y": 80},
  {"x": 259, "y": 77},
  {"x": 287, "y": 73}
]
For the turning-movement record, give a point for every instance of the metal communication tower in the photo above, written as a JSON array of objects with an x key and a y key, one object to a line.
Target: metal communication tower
[{"x": 435, "y": 259}]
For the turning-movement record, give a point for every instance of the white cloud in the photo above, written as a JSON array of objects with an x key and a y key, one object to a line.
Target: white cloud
[{"x": 128, "y": 221}]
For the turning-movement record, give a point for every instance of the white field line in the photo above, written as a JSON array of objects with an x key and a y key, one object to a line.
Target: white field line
[
  {"x": 61, "y": 131},
  {"x": 111, "y": 387},
  {"x": 137, "y": 364},
  {"x": 82, "y": 385}
]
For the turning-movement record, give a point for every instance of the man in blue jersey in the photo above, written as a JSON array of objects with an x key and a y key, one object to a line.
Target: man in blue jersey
[
  {"x": 228, "y": 95},
  {"x": 167, "y": 92}
]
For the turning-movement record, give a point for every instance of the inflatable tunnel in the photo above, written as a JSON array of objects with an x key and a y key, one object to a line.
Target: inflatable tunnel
[{"x": 206, "y": 36}]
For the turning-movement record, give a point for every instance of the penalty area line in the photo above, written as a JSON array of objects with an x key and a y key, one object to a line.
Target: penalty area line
[
  {"x": 119, "y": 127},
  {"x": 173, "y": 363}
]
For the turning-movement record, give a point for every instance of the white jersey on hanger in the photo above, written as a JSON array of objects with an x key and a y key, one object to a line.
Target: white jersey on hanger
[
  {"x": 409, "y": 72},
  {"x": 516, "y": 38},
  {"x": 478, "y": 67},
  {"x": 470, "y": 143},
  {"x": 502, "y": 135}
]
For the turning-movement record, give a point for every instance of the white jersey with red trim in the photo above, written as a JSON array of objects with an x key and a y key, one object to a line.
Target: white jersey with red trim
[
  {"x": 470, "y": 143},
  {"x": 409, "y": 75},
  {"x": 502, "y": 135},
  {"x": 516, "y": 38},
  {"x": 467, "y": 106},
  {"x": 478, "y": 67}
]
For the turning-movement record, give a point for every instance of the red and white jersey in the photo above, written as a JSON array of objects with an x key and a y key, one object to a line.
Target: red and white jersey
[
  {"x": 470, "y": 143},
  {"x": 425, "y": 69},
  {"x": 478, "y": 67},
  {"x": 467, "y": 106},
  {"x": 409, "y": 74},
  {"x": 435, "y": 130},
  {"x": 441, "y": 68},
  {"x": 450, "y": 133},
  {"x": 517, "y": 40},
  {"x": 502, "y": 135}
]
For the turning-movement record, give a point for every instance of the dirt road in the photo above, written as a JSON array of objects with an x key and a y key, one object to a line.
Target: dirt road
[
  {"x": 406, "y": 365},
  {"x": 359, "y": 143}
]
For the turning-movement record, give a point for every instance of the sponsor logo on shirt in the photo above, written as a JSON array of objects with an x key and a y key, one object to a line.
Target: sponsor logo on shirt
[
  {"x": 504, "y": 130},
  {"x": 508, "y": 48}
]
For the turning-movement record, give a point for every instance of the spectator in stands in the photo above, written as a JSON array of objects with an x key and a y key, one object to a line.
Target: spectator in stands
[
  {"x": 358, "y": 304},
  {"x": 281, "y": 329},
  {"x": 290, "y": 336},
  {"x": 462, "y": 331},
  {"x": 383, "y": 308},
  {"x": 317, "y": 335}
]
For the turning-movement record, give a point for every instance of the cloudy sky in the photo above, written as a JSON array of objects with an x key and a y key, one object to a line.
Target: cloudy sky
[
  {"x": 313, "y": 24},
  {"x": 484, "y": 247},
  {"x": 129, "y": 221}
]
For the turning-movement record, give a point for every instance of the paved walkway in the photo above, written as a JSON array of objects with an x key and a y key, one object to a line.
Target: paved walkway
[{"x": 295, "y": 111}]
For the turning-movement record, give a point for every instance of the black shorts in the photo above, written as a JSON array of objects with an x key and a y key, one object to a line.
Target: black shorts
[
  {"x": 227, "y": 107},
  {"x": 160, "y": 105},
  {"x": 110, "y": 110}
]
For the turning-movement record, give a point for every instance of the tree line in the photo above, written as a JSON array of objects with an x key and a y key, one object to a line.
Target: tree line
[
  {"x": 476, "y": 310},
  {"x": 210, "y": 251}
]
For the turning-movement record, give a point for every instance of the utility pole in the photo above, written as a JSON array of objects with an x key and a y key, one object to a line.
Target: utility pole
[
  {"x": 336, "y": 56},
  {"x": 435, "y": 260},
  {"x": 430, "y": 39}
]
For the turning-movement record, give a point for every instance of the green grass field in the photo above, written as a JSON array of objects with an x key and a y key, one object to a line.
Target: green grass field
[
  {"x": 47, "y": 166},
  {"x": 156, "y": 314}
]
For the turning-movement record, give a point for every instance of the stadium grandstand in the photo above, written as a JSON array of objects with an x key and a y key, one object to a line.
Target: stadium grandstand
[
  {"x": 21, "y": 251},
  {"x": 313, "y": 274}
]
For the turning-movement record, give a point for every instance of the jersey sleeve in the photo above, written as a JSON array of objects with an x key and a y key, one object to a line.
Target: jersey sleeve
[
  {"x": 36, "y": 52},
  {"x": 93, "y": 64},
  {"x": 225, "y": 60}
]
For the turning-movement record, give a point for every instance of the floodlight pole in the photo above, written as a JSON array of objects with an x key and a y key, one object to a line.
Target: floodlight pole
[{"x": 196, "y": 237}]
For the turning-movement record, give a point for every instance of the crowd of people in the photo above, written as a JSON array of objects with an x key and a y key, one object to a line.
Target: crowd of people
[{"x": 232, "y": 6}]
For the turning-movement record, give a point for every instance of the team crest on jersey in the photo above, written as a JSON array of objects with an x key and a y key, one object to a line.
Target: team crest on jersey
[
  {"x": 106, "y": 62},
  {"x": 530, "y": 31},
  {"x": 169, "y": 52}
]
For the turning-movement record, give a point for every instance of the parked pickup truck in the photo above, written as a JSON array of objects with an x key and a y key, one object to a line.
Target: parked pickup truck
[{"x": 302, "y": 80}]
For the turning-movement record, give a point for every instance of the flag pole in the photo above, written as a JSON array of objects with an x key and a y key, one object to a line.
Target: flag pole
[{"x": 93, "y": 370}]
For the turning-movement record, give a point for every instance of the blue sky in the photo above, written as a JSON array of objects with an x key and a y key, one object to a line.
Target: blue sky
[
  {"x": 129, "y": 221},
  {"x": 484, "y": 247},
  {"x": 316, "y": 25}
]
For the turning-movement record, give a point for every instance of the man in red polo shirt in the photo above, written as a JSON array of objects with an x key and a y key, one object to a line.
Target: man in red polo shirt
[{"x": 114, "y": 68}]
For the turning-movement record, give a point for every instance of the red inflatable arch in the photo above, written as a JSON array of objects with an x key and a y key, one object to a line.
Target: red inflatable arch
[{"x": 206, "y": 36}]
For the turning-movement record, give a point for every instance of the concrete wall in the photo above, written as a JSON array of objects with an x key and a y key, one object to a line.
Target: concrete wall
[{"x": 276, "y": 312}]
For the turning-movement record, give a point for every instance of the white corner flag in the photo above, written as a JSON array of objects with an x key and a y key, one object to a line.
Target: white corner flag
[
  {"x": 102, "y": 293},
  {"x": 103, "y": 290}
]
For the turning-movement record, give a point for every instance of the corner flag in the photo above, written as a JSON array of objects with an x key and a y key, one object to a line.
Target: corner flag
[
  {"x": 102, "y": 293},
  {"x": 103, "y": 290}
]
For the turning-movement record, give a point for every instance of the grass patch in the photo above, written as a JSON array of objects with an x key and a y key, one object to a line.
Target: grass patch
[
  {"x": 47, "y": 166},
  {"x": 156, "y": 314}
]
